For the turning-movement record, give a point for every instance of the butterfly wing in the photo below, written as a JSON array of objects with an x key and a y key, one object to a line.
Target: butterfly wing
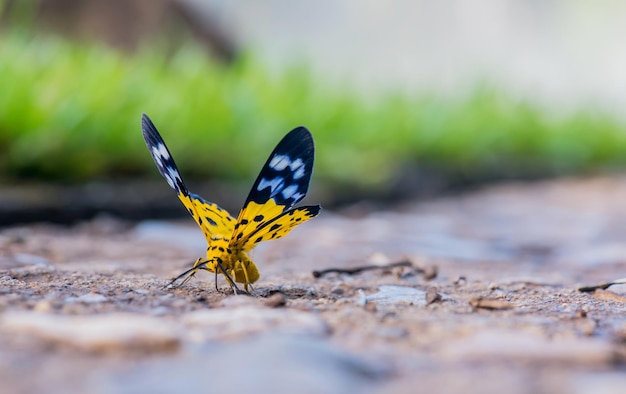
[
  {"x": 213, "y": 220},
  {"x": 279, "y": 226},
  {"x": 282, "y": 183}
]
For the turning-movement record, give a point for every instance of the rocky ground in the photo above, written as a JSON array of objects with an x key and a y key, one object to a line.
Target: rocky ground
[{"x": 489, "y": 302}]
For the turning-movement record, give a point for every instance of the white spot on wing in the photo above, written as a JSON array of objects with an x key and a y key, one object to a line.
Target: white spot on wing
[
  {"x": 171, "y": 177},
  {"x": 289, "y": 191},
  {"x": 272, "y": 184},
  {"x": 160, "y": 151},
  {"x": 296, "y": 164},
  {"x": 280, "y": 162},
  {"x": 299, "y": 173}
]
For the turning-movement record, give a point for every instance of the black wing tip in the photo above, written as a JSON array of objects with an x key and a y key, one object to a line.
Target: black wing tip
[
  {"x": 147, "y": 126},
  {"x": 146, "y": 121},
  {"x": 299, "y": 132},
  {"x": 314, "y": 210}
]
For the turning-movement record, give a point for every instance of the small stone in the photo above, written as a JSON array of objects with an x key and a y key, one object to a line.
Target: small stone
[
  {"x": 89, "y": 298},
  {"x": 10, "y": 281},
  {"x": 362, "y": 301},
  {"x": 337, "y": 290},
  {"x": 370, "y": 307},
  {"x": 460, "y": 281},
  {"x": 276, "y": 300},
  {"x": 430, "y": 272},
  {"x": 490, "y": 303},
  {"x": 398, "y": 294},
  {"x": 378, "y": 259},
  {"x": 432, "y": 296},
  {"x": 43, "y": 306},
  {"x": 244, "y": 321},
  {"x": 98, "y": 333}
]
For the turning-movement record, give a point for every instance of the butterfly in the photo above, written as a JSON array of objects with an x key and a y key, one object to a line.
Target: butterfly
[{"x": 267, "y": 213}]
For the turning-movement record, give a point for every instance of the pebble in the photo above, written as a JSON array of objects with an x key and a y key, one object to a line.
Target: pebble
[
  {"x": 397, "y": 295},
  {"x": 43, "y": 306},
  {"x": 114, "y": 332},
  {"x": 276, "y": 300},
  {"x": 336, "y": 290},
  {"x": 490, "y": 303},
  {"x": 245, "y": 321},
  {"x": 9, "y": 281},
  {"x": 432, "y": 296},
  {"x": 89, "y": 298}
]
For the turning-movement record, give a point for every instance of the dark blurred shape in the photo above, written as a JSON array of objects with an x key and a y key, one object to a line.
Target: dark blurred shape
[{"x": 122, "y": 24}]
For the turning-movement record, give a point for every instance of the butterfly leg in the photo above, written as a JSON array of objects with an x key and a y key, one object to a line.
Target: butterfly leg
[
  {"x": 247, "y": 283},
  {"x": 230, "y": 281}
]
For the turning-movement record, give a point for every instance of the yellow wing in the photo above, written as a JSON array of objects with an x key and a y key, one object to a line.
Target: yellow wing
[
  {"x": 278, "y": 227},
  {"x": 282, "y": 183},
  {"x": 213, "y": 220}
]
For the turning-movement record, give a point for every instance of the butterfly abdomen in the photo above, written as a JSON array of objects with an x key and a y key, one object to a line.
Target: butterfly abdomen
[{"x": 234, "y": 261}]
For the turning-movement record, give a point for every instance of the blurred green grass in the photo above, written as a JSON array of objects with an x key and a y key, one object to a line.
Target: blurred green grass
[{"x": 71, "y": 112}]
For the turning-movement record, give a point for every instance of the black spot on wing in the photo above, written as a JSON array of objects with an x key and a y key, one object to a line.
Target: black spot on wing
[
  {"x": 218, "y": 213},
  {"x": 286, "y": 175},
  {"x": 275, "y": 227},
  {"x": 161, "y": 155},
  {"x": 309, "y": 211}
]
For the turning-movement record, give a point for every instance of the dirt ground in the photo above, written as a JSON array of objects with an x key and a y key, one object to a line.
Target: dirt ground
[{"x": 489, "y": 303}]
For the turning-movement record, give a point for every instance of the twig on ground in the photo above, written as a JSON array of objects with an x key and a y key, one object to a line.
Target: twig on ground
[
  {"x": 429, "y": 271},
  {"x": 604, "y": 286}
]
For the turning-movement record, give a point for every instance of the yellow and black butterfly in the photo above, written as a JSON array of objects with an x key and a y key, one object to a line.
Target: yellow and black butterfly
[{"x": 267, "y": 213}]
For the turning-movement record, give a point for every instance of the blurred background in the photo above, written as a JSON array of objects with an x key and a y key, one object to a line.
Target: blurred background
[{"x": 405, "y": 99}]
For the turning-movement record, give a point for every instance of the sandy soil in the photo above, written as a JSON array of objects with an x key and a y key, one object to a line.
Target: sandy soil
[{"x": 490, "y": 303}]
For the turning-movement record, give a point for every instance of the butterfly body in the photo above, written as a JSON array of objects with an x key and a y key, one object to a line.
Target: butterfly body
[{"x": 267, "y": 214}]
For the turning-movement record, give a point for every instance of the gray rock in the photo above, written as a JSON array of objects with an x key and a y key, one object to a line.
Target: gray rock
[
  {"x": 244, "y": 321},
  {"x": 395, "y": 295},
  {"x": 266, "y": 364},
  {"x": 100, "y": 333},
  {"x": 91, "y": 298}
]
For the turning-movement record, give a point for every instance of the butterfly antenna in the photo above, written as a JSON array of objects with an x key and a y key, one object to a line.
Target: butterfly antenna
[
  {"x": 193, "y": 271},
  {"x": 171, "y": 283}
]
